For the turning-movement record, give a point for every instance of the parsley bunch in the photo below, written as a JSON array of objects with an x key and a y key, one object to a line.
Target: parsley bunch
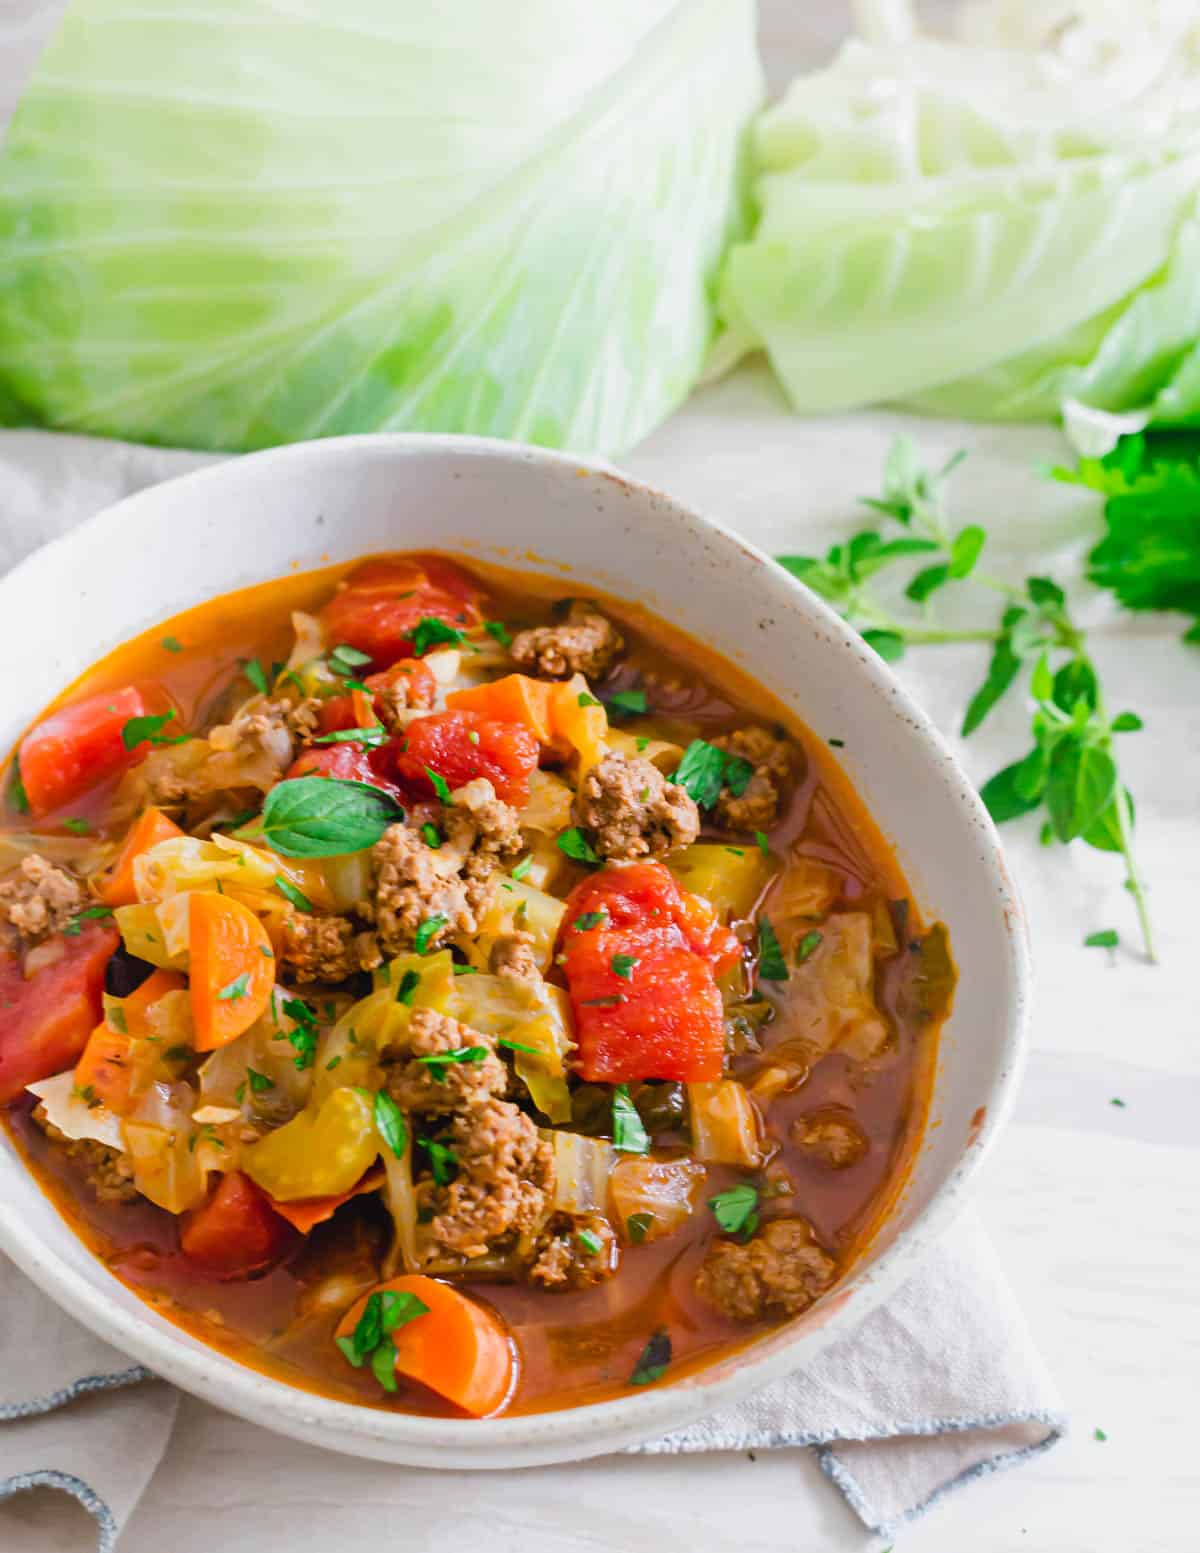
[{"x": 1072, "y": 769}]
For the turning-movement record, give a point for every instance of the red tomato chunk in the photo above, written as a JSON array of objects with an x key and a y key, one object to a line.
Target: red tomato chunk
[
  {"x": 642, "y": 980},
  {"x": 80, "y": 745},
  {"x": 460, "y": 746},
  {"x": 236, "y": 1232},
  {"x": 348, "y": 763},
  {"x": 46, "y": 1018},
  {"x": 417, "y": 677},
  {"x": 384, "y": 601}
]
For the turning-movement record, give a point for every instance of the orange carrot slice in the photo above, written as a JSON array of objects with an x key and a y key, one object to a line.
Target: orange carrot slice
[
  {"x": 150, "y": 827},
  {"x": 514, "y": 699},
  {"x": 232, "y": 968},
  {"x": 104, "y": 1066},
  {"x": 459, "y": 1348},
  {"x": 305, "y": 1213}
]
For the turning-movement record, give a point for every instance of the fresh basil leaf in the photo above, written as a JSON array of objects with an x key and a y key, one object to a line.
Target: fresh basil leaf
[
  {"x": 1041, "y": 681},
  {"x": 383, "y": 1366},
  {"x": 629, "y": 1135},
  {"x": 1003, "y": 669},
  {"x": 736, "y": 1210},
  {"x": 966, "y": 549},
  {"x": 771, "y": 964},
  {"x": 653, "y": 1360},
  {"x": 701, "y": 772},
  {"x": 146, "y": 730},
  {"x": 390, "y": 1123},
  {"x": 737, "y": 775},
  {"x": 577, "y": 847},
  {"x": 1126, "y": 722},
  {"x": 1105, "y": 834},
  {"x": 1075, "y": 682},
  {"x": 1045, "y": 592},
  {"x": 927, "y": 582},
  {"x": 325, "y": 816},
  {"x": 1107, "y": 938}
]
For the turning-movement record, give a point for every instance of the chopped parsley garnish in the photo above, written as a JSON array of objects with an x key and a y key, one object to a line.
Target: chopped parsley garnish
[
  {"x": 808, "y": 945},
  {"x": 499, "y": 630},
  {"x": 589, "y": 919},
  {"x": 344, "y": 659},
  {"x": 577, "y": 847},
  {"x": 653, "y": 1359},
  {"x": 440, "y": 786},
  {"x": 633, "y": 701},
  {"x": 736, "y": 851},
  {"x": 465, "y": 970},
  {"x": 637, "y": 1226},
  {"x": 443, "y": 1161},
  {"x": 515, "y": 1046},
  {"x": 622, "y": 965},
  {"x": 736, "y": 1210},
  {"x": 432, "y": 632},
  {"x": 304, "y": 1037},
  {"x": 764, "y": 844},
  {"x": 259, "y": 1082},
  {"x": 289, "y": 892},
  {"x": 77, "y": 827},
  {"x": 171, "y": 643},
  {"x": 371, "y": 737},
  {"x": 17, "y": 796},
  {"x": 431, "y": 835},
  {"x": 1117, "y": 1102},
  {"x": 771, "y": 964},
  {"x": 629, "y": 1135},
  {"x": 409, "y": 983},
  {"x": 1099, "y": 1434},
  {"x": 332, "y": 1063},
  {"x": 521, "y": 871},
  {"x": 147, "y": 730},
  {"x": 837, "y": 744},
  {"x": 438, "y": 1062},
  {"x": 385, "y": 1311},
  {"x": 428, "y": 931},
  {"x": 253, "y": 670},
  {"x": 390, "y": 1123},
  {"x": 643, "y": 742},
  {"x": 235, "y": 990},
  {"x": 586, "y": 700},
  {"x": 114, "y": 1018},
  {"x": 1107, "y": 938},
  {"x": 613, "y": 1000},
  {"x": 590, "y": 1242},
  {"x": 89, "y": 914}
]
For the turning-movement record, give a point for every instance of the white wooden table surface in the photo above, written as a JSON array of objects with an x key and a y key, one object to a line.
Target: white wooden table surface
[{"x": 1093, "y": 1206}]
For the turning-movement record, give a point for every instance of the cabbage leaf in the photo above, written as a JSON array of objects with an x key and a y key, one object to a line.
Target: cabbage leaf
[
  {"x": 990, "y": 228},
  {"x": 233, "y": 225}
]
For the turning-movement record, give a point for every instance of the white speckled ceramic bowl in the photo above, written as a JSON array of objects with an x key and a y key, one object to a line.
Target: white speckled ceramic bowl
[{"x": 302, "y": 507}]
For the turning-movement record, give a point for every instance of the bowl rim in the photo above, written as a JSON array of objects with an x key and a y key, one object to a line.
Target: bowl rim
[{"x": 593, "y": 1427}]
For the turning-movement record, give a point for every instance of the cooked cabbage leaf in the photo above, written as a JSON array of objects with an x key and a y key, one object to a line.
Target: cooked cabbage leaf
[{"x": 236, "y": 225}]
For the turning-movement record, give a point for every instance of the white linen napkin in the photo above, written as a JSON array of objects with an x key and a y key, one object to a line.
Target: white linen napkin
[{"x": 938, "y": 1387}]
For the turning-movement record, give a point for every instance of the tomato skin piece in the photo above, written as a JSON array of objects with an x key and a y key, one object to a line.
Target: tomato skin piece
[
  {"x": 383, "y": 601},
  {"x": 45, "y": 1020},
  {"x": 79, "y": 745},
  {"x": 236, "y": 1233},
  {"x": 505, "y": 753},
  {"x": 347, "y": 763},
  {"x": 665, "y": 1019}
]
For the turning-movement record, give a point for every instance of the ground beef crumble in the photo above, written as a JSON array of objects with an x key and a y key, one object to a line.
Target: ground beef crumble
[
  {"x": 440, "y": 1089},
  {"x": 513, "y": 958},
  {"x": 327, "y": 948},
  {"x": 632, "y": 811},
  {"x": 781, "y": 1271},
  {"x": 415, "y": 882},
  {"x": 39, "y": 899},
  {"x": 505, "y": 1178},
  {"x": 107, "y": 1171},
  {"x": 757, "y": 806},
  {"x": 585, "y": 643},
  {"x": 574, "y": 1251}
]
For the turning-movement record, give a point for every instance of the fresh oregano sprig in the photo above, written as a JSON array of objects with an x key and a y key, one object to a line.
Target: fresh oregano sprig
[{"x": 1071, "y": 771}]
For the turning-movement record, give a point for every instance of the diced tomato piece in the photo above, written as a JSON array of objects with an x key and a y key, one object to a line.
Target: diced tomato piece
[
  {"x": 348, "y": 763},
  {"x": 80, "y": 745},
  {"x": 460, "y": 746},
  {"x": 46, "y": 1018},
  {"x": 236, "y": 1233},
  {"x": 339, "y": 711},
  {"x": 383, "y": 601},
  {"x": 642, "y": 979}
]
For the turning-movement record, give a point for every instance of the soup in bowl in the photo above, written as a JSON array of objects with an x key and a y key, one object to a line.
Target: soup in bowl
[{"x": 454, "y": 991}]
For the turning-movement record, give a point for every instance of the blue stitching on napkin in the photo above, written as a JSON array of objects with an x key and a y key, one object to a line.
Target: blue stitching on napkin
[
  {"x": 838, "y": 1473},
  {"x": 69, "y": 1484},
  {"x": 77, "y": 1388}
]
